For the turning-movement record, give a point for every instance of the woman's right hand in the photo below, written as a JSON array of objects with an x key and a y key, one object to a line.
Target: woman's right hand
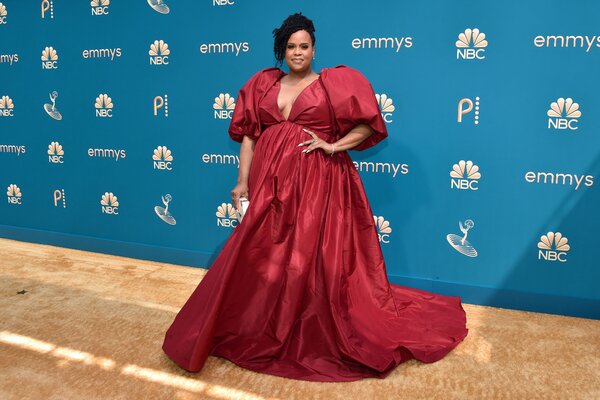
[{"x": 240, "y": 190}]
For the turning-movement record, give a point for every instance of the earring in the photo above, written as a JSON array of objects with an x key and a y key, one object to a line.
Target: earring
[{"x": 313, "y": 55}]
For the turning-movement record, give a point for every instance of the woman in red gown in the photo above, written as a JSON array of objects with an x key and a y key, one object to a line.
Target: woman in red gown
[{"x": 300, "y": 288}]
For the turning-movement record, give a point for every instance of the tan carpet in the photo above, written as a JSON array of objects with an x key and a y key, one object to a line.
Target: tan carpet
[{"x": 90, "y": 326}]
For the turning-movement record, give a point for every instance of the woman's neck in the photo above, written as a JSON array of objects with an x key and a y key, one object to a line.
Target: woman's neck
[{"x": 298, "y": 76}]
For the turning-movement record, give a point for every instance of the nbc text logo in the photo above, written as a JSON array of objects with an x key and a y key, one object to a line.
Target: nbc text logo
[
  {"x": 14, "y": 194},
  {"x": 465, "y": 175},
  {"x": 6, "y": 106},
  {"x": 223, "y": 2},
  {"x": 383, "y": 229},
  {"x": 465, "y": 106},
  {"x": 55, "y": 153},
  {"x": 163, "y": 158},
  {"x": 109, "y": 203},
  {"x": 159, "y": 53},
  {"x": 471, "y": 44},
  {"x": 553, "y": 247},
  {"x": 58, "y": 196},
  {"x": 161, "y": 102},
  {"x": 99, "y": 7},
  {"x": 227, "y": 215},
  {"x": 47, "y": 5},
  {"x": 104, "y": 106},
  {"x": 386, "y": 105},
  {"x": 224, "y": 105},
  {"x": 563, "y": 114},
  {"x": 3, "y": 14},
  {"x": 49, "y": 58}
]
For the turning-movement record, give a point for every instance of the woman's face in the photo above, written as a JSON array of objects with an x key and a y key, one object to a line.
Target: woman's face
[{"x": 299, "y": 51}]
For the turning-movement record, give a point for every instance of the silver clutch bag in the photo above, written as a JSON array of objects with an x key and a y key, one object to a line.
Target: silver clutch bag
[{"x": 244, "y": 204}]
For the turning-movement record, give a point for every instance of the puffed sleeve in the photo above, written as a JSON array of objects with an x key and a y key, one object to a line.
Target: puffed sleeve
[
  {"x": 244, "y": 120},
  {"x": 354, "y": 103}
]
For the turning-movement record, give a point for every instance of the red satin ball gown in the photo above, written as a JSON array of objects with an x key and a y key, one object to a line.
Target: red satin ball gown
[{"x": 300, "y": 289}]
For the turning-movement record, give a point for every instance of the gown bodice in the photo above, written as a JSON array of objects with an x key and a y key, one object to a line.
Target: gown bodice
[{"x": 310, "y": 109}]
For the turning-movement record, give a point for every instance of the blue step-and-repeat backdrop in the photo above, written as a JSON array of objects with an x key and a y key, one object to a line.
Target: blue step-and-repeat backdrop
[{"x": 114, "y": 117}]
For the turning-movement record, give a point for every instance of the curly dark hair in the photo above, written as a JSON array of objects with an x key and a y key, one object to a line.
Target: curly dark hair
[{"x": 294, "y": 23}]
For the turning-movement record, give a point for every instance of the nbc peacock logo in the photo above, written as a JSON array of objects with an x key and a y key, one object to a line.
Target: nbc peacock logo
[
  {"x": 14, "y": 194},
  {"x": 109, "y": 203},
  {"x": 383, "y": 229},
  {"x": 100, "y": 7},
  {"x": 224, "y": 106},
  {"x": 55, "y": 153},
  {"x": 564, "y": 114},
  {"x": 104, "y": 106},
  {"x": 163, "y": 158},
  {"x": 49, "y": 58},
  {"x": 3, "y": 14},
  {"x": 6, "y": 107},
  {"x": 227, "y": 216},
  {"x": 471, "y": 45},
  {"x": 159, "y": 53},
  {"x": 465, "y": 176},
  {"x": 386, "y": 106},
  {"x": 553, "y": 247}
]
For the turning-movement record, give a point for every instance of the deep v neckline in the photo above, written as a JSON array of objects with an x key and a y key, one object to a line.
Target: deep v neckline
[{"x": 295, "y": 99}]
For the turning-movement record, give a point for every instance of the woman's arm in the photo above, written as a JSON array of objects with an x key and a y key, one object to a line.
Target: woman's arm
[
  {"x": 352, "y": 139},
  {"x": 246, "y": 153},
  {"x": 241, "y": 189}
]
